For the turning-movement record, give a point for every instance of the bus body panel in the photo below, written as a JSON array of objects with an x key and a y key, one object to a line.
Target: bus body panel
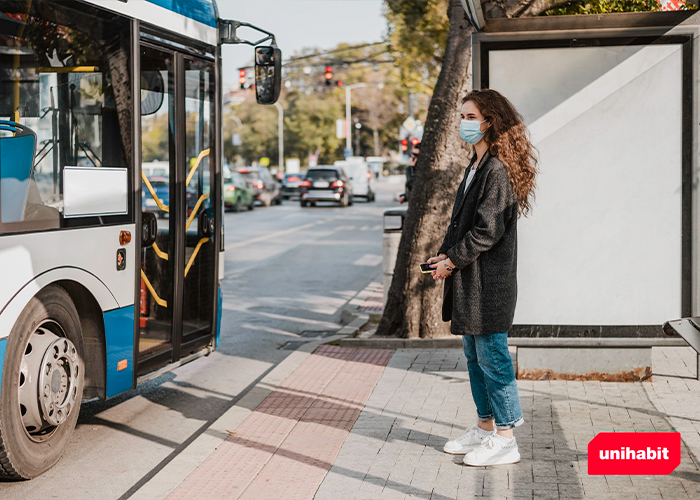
[
  {"x": 27, "y": 267},
  {"x": 218, "y": 318},
  {"x": 192, "y": 18},
  {"x": 119, "y": 339},
  {"x": 3, "y": 346}
]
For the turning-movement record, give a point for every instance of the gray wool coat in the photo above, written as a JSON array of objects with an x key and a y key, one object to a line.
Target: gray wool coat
[{"x": 481, "y": 241}]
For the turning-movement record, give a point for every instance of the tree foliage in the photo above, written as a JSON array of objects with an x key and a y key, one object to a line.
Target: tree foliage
[
  {"x": 311, "y": 107},
  {"x": 603, "y": 7}
]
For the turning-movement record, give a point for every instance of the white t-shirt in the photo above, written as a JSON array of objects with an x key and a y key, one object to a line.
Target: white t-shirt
[{"x": 470, "y": 178}]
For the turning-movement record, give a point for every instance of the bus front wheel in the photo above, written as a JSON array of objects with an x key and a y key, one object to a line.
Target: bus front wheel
[{"x": 42, "y": 385}]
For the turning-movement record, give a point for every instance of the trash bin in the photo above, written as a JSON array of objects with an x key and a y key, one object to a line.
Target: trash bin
[{"x": 393, "y": 226}]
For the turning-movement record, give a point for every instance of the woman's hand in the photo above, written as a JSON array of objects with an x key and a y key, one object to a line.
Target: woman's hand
[
  {"x": 440, "y": 257},
  {"x": 440, "y": 270}
]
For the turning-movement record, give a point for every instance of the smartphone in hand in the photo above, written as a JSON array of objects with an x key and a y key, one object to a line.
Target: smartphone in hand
[{"x": 426, "y": 269}]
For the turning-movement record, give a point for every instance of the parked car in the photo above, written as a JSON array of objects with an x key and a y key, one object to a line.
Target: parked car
[
  {"x": 325, "y": 183},
  {"x": 161, "y": 187},
  {"x": 360, "y": 174},
  {"x": 266, "y": 188},
  {"x": 290, "y": 185},
  {"x": 238, "y": 193}
]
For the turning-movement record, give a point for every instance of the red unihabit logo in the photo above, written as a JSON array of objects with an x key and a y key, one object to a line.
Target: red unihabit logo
[{"x": 634, "y": 453}]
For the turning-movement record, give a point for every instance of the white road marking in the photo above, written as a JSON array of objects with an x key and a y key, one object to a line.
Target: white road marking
[
  {"x": 368, "y": 260},
  {"x": 273, "y": 235}
]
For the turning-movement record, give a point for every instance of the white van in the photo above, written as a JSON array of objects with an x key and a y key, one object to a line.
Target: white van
[
  {"x": 360, "y": 174},
  {"x": 155, "y": 169}
]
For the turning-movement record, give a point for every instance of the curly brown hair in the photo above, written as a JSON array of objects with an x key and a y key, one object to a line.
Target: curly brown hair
[{"x": 509, "y": 139}]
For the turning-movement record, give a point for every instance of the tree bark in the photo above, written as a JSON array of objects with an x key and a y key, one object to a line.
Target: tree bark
[{"x": 414, "y": 302}]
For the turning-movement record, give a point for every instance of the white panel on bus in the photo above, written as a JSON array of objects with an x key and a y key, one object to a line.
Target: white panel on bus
[
  {"x": 603, "y": 243},
  {"x": 90, "y": 191}
]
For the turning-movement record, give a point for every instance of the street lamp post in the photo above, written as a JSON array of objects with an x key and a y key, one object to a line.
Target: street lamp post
[
  {"x": 348, "y": 124},
  {"x": 280, "y": 132}
]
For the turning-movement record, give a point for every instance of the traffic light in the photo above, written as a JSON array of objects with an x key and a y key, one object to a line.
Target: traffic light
[
  {"x": 415, "y": 141},
  {"x": 404, "y": 145},
  {"x": 329, "y": 75},
  {"x": 339, "y": 83},
  {"x": 241, "y": 80}
]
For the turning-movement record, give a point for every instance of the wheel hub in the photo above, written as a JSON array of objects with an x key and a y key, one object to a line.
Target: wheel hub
[{"x": 48, "y": 385}]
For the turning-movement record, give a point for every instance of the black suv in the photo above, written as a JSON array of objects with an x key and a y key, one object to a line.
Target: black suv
[
  {"x": 325, "y": 183},
  {"x": 266, "y": 188}
]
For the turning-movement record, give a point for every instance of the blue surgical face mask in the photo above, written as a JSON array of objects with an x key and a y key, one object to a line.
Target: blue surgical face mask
[{"x": 470, "y": 131}]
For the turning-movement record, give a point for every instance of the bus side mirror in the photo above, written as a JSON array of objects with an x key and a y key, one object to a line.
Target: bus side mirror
[
  {"x": 268, "y": 74},
  {"x": 149, "y": 229}
]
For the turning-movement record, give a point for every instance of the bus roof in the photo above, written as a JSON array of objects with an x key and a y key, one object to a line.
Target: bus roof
[{"x": 193, "y": 18}]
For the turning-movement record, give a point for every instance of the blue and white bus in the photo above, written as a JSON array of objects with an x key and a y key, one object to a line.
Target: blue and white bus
[{"x": 107, "y": 277}]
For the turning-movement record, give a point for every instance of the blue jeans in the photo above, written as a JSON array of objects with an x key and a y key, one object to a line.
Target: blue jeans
[{"x": 492, "y": 379}]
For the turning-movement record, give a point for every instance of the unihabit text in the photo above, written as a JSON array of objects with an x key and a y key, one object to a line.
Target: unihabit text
[{"x": 627, "y": 453}]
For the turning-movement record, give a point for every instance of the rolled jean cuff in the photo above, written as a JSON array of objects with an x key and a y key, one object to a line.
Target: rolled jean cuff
[
  {"x": 511, "y": 425},
  {"x": 486, "y": 418}
]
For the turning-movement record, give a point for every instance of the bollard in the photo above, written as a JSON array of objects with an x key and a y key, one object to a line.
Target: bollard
[{"x": 393, "y": 226}]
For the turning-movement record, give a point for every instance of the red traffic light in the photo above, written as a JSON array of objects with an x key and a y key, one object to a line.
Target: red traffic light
[
  {"x": 339, "y": 83},
  {"x": 242, "y": 72},
  {"x": 241, "y": 80},
  {"x": 329, "y": 69},
  {"x": 415, "y": 141},
  {"x": 404, "y": 144}
]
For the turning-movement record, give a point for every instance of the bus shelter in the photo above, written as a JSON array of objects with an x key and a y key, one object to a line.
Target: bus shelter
[{"x": 611, "y": 248}]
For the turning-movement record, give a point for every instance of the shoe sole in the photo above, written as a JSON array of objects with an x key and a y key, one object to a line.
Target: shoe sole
[
  {"x": 463, "y": 451},
  {"x": 504, "y": 460}
]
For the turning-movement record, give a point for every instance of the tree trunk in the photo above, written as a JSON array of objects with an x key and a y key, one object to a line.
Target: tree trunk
[
  {"x": 375, "y": 133},
  {"x": 414, "y": 302}
]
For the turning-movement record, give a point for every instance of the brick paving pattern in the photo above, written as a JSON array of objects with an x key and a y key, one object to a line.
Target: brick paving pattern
[
  {"x": 423, "y": 399},
  {"x": 287, "y": 445},
  {"x": 374, "y": 303}
]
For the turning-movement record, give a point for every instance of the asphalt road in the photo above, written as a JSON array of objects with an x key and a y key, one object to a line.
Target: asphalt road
[{"x": 288, "y": 272}]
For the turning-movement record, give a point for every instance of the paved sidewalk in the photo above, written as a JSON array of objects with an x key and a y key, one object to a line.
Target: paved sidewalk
[
  {"x": 423, "y": 399},
  {"x": 370, "y": 424},
  {"x": 285, "y": 447}
]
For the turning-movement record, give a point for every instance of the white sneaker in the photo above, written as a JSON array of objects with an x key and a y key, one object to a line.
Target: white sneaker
[
  {"x": 495, "y": 450},
  {"x": 470, "y": 440}
]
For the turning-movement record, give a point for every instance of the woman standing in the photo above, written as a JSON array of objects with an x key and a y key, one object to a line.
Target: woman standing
[{"x": 478, "y": 261}]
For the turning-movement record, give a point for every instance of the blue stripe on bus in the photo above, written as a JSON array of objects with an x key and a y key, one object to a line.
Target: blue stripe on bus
[
  {"x": 119, "y": 335},
  {"x": 3, "y": 344},
  {"x": 218, "y": 320},
  {"x": 198, "y": 10}
]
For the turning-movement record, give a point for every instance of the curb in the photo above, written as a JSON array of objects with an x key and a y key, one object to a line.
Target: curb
[
  {"x": 456, "y": 342},
  {"x": 175, "y": 472},
  {"x": 388, "y": 343}
]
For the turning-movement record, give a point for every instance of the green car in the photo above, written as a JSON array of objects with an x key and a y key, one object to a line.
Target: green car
[{"x": 237, "y": 193}]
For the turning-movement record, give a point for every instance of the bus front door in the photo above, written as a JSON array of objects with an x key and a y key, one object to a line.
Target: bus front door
[{"x": 178, "y": 273}]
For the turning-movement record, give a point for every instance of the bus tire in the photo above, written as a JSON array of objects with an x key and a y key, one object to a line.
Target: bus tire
[{"x": 44, "y": 349}]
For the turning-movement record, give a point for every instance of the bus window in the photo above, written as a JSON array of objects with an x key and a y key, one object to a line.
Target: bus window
[
  {"x": 65, "y": 100},
  {"x": 157, "y": 265}
]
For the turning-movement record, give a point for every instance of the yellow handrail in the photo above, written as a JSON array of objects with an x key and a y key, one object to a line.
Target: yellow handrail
[
  {"x": 196, "y": 165},
  {"x": 158, "y": 300},
  {"x": 159, "y": 252},
  {"x": 194, "y": 254},
  {"x": 194, "y": 210},
  {"x": 61, "y": 69},
  {"x": 153, "y": 193}
]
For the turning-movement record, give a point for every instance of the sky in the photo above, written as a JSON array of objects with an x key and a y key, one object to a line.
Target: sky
[{"x": 298, "y": 24}]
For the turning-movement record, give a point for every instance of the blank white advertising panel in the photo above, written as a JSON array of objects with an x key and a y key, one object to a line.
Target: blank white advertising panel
[
  {"x": 603, "y": 243},
  {"x": 90, "y": 191}
]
